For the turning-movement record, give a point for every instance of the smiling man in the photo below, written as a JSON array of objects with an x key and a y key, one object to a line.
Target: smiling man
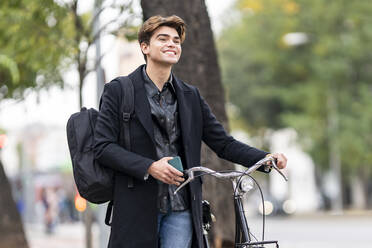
[{"x": 170, "y": 119}]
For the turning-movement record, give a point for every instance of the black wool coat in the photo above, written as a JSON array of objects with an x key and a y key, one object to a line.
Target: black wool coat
[{"x": 134, "y": 222}]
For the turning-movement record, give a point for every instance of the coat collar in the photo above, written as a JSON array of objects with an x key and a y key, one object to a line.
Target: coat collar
[
  {"x": 142, "y": 105},
  {"x": 150, "y": 86}
]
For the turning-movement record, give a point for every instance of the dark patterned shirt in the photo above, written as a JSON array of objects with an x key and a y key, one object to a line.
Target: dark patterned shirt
[{"x": 164, "y": 114}]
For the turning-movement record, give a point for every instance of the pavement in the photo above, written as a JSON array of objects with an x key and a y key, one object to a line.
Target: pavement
[
  {"x": 70, "y": 235},
  {"x": 305, "y": 231},
  {"x": 318, "y": 230}
]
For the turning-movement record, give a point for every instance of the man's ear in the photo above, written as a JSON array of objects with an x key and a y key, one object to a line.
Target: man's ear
[{"x": 144, "y": 47}]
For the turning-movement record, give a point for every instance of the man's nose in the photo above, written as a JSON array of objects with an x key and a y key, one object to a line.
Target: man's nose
[{"x": 171, "y": 43}]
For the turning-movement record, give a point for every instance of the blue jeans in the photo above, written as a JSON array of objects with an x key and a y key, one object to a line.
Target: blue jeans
[{"x": 175, "y": 229}]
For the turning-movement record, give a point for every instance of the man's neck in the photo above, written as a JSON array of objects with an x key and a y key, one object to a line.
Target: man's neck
[{"x": 158, "y": 74}]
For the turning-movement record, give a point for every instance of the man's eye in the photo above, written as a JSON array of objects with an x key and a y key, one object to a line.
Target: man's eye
[{"x": 162, "y": 39}]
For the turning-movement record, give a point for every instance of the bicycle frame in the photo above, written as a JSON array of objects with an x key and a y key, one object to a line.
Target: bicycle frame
[
  {"x": 241, "y": 227},
  {"x": 242, "y": 234}
]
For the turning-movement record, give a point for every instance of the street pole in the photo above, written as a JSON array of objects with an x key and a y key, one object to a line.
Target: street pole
[
  {"x": 104, "y": 230},
  {"x": 88, "y": 217},
  {"x": 99, "y": 70}
]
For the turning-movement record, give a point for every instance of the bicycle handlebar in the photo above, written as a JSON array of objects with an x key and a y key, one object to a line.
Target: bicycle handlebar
[{"x": 229, "y": 174}]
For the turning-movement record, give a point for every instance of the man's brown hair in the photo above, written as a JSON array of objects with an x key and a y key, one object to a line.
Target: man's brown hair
[{"x": 151, "y": 24}]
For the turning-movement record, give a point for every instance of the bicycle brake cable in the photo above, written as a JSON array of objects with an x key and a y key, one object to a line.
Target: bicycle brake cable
[{"x": 263, "y": 207}]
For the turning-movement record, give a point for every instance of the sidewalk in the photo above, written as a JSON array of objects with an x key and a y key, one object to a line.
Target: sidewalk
[
  {"x": 65, "y": 236},
  {"x": 318, "y": 230}
]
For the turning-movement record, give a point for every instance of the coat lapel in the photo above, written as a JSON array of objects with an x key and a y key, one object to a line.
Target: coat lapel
[
  {"x": 141, "y": 103},
  {"x": 184, "y": 112}
]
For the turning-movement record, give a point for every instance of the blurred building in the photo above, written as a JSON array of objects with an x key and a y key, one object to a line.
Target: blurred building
[
  {"x": 297, "y": 196},
  {"x": 301, "y": 189}
]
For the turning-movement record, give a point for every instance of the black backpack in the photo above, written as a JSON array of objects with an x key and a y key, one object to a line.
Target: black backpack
[{"x": 95, "y": 182}]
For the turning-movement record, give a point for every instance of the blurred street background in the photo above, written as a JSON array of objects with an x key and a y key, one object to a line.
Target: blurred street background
[
  {"x": 317, "y": 230},
  {"x": 290, "y": 76}
]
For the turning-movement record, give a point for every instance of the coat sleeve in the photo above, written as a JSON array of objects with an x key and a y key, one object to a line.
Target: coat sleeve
[
  {"x": 107, "y": 150},
  {"x": 224, "y": 145}
]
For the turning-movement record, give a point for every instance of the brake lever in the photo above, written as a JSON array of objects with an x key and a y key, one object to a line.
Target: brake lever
[
  {"x": 273, "y": 164},
  {"x": 190, "y": 177}
]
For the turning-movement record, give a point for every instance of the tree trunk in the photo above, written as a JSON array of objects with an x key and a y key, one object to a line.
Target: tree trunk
[
  {"x": 199, "y": 66},
  {"x": 359, "y": 190},
  {"x": 11, "y": 228},
  {"x": 334, "y": 150}
]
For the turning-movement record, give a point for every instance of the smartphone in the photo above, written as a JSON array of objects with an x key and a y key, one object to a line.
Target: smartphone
[{"x": 176, "y": 163}]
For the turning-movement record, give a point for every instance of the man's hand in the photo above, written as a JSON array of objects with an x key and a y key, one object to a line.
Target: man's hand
[
  {"x": 164, "y": 172},
  {"x": 281, "y": 160}
]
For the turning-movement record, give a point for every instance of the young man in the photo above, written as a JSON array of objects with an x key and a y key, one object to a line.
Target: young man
[{"x": 170, "y": 119}]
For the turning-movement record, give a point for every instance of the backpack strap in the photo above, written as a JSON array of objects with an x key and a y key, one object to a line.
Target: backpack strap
[
  {"x": 126, "y": 111},
  {"x": 108, "y": 218}
]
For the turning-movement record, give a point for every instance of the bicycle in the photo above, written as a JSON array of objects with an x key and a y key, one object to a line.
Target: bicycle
[{"x": 242, "y": 183}]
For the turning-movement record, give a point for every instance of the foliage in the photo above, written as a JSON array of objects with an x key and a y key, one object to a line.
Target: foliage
[
  {"x": 33, "y": 45},
  {"x": 39, "y": 40},
  {"x": 319, "y": 84}
]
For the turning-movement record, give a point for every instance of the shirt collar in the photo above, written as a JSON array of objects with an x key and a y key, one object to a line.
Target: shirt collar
[{"x": 150, "y": 85}]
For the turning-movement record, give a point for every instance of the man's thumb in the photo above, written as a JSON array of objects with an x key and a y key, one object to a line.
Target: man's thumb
[{"x": 167, "y": 158}]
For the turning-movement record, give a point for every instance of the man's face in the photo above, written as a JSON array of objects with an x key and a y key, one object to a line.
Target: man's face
[{"x": 164, "y": 47}]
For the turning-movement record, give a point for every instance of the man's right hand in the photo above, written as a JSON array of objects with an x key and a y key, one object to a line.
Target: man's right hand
[{"x": 165, "y": 172}]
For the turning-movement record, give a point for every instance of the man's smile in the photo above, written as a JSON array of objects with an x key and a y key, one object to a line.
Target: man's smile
[{"x": 170, "y": 52}]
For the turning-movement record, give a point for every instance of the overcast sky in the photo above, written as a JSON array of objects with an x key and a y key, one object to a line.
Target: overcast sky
[{"x": 216, "y": 8}]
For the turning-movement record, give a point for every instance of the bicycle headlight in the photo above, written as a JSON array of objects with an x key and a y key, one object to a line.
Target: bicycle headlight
[{"x": 246, "y": 184}]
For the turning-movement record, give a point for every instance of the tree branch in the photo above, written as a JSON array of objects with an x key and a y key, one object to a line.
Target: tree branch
[
  {"x": 113, "y": 5},
  {"x": 96, "y": 15},
  {"x": 96, "y": 35},
  {"x": 95, "y": 65}
]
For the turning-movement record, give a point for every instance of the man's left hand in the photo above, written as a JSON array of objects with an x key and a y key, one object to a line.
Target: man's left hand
[{"x": 281, "y": 160}]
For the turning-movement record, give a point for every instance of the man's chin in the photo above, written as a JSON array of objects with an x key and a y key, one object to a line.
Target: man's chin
[{"x": 169, "y": 62}]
